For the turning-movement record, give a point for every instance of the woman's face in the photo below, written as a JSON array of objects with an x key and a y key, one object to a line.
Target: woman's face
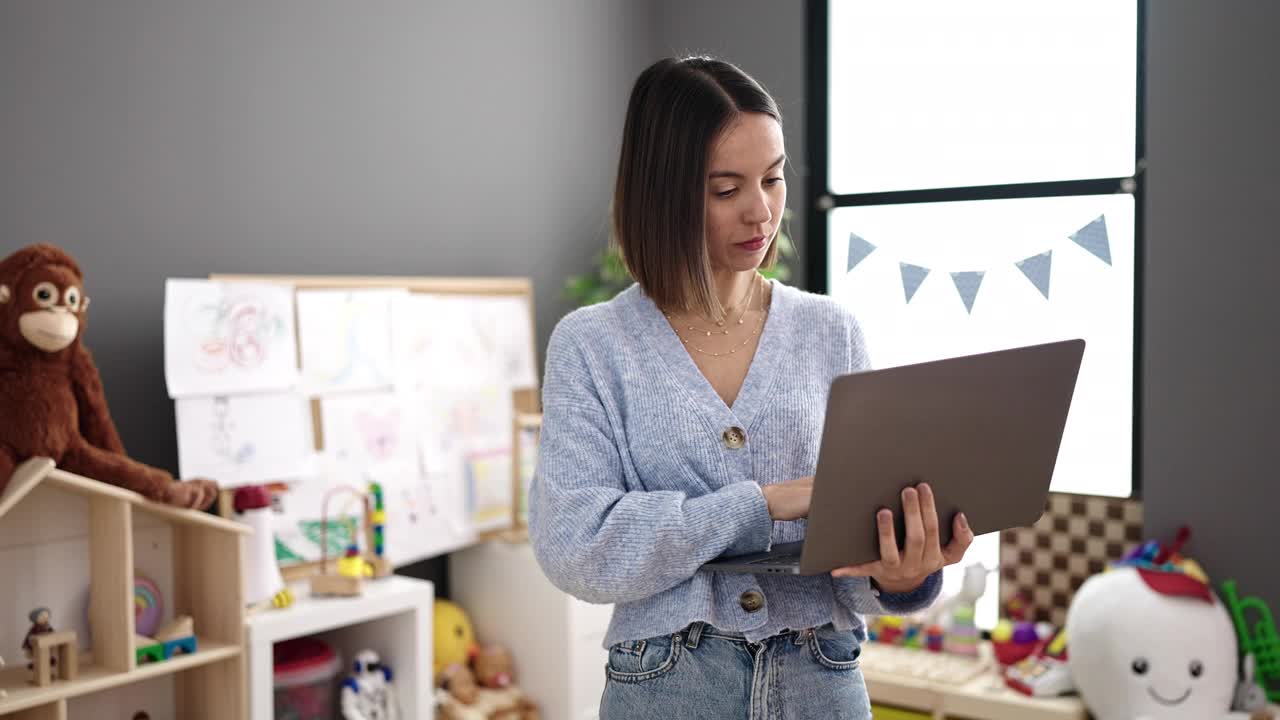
[{"x": 745, "y": 192}]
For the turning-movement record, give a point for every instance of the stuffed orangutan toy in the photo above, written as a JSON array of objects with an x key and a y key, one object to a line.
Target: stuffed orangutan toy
[{"x": 51, "y": 398}]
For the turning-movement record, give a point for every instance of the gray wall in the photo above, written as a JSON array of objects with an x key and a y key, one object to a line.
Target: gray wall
[
  {"x": 159, "y": 138},
  {"x": 1212, "y": 409},
  {"x": 766, "y": 39}
]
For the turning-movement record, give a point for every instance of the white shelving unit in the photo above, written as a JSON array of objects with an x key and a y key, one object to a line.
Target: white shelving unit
[
  {"x": 555, "y": 639},
  {"x": 393, "y": 617}
]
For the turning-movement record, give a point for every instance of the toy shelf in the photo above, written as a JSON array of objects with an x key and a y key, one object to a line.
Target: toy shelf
[
  {"x": 393, "y": 616},
  {"x": 81, "y": 526}
]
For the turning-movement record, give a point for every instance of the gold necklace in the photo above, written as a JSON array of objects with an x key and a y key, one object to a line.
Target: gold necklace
[
  {"x": 764, "y": 313},
  {"x": 746, "y": 305}
]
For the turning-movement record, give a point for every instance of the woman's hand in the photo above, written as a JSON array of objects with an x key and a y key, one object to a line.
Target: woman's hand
[
  {"x": 789, "y": 500},
  {"x": 923, "y": 555}
]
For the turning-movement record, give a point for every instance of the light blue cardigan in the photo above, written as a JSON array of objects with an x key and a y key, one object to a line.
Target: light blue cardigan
[{"x": 636, "y": 487}]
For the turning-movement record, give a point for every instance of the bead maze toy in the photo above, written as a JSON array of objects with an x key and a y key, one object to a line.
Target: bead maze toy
[{"x": 354, "y": 567}]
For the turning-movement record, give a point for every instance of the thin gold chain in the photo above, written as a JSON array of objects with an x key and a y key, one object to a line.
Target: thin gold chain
[
  {"x": 746, "y": 305},
  {"x": 764, "y": 313}
]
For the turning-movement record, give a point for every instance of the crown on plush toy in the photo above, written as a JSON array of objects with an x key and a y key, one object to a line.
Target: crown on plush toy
[{"x": 1166, "y": 571}]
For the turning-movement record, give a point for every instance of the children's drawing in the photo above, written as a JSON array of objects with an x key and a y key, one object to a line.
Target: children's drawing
[
  {"x": 466, "y": 437},
  {"x": 369, "y": 432},
  {"x": 224, "y": 338},
  {"x": 244, "y": 439},
  {"x": 485, "y": 339},
  {"x": 345, "y": 339}
]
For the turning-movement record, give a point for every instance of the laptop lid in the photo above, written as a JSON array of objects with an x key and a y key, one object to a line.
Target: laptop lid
[{"x": 983, "y": 431}]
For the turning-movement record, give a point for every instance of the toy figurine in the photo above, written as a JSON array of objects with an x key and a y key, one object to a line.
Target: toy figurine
[
  {"x": 367, "y": 693},
  {"x": 39, "y": 626}
]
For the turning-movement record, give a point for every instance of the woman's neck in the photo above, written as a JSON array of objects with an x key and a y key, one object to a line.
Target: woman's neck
[{"x": 734, "y": 288}]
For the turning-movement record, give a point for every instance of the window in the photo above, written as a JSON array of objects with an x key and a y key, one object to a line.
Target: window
[{"x": 976, "y": 185}]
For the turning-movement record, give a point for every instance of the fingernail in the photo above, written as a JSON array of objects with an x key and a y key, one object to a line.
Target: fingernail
[
  {"x": 964, "y": 521},
  {"x": 885, "y": 515}
]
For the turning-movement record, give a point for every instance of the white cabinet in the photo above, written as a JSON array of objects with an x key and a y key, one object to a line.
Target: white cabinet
[
  {"x": 554, "y": 638},
  {"x": 393, "y": 617}
]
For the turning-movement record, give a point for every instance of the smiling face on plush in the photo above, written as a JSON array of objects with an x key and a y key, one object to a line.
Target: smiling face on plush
[{"x": 1138, "y": 653}]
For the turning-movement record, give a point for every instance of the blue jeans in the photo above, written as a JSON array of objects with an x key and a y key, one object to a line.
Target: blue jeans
[{"x": 706, "y": 674}]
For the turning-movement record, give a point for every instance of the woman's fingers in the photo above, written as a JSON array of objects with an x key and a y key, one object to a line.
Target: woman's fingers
[
  {"x": 929, "y": 516},
  {"x": 889, "y": 556},
  {"x": 913, "y": 552},
  {"x": 864, "y": 570},
  {"x": 961, "y": 538}
]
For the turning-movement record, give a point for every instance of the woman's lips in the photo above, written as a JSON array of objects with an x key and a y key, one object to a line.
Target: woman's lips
[{"x": 753, "y": 244}]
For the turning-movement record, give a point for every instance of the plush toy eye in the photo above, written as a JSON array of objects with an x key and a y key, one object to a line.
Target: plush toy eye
[
  {"x": 1197, "y": 668},
  {"x": 46, "y": 294},
  {"x": 72, "y": 298},
  {"x": 1140, "y": 666}
]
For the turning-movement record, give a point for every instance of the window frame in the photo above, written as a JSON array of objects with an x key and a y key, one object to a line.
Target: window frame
[{"x": 820, "y": 200}]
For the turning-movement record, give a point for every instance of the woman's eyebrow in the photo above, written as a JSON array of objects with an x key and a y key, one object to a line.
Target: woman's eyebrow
[{"x": 731, "y": 174}]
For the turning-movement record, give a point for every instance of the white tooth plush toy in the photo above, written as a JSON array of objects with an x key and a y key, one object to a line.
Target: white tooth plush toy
[{"x": 1148, "y": 640}]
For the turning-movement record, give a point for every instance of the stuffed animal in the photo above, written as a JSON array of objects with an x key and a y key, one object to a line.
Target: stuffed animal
[
  {"x": 51, "y": 396},
  {"x": 484, "y": 691},
  {"x": 1148, "y": 639},
  {"x": 455, "y": 640}
]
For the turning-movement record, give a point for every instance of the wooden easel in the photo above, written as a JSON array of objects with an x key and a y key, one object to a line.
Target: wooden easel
[{"x": 481, "y": 287}]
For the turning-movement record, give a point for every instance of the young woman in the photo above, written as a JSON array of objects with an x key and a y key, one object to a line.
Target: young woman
[{"x": 682, "y": 421}]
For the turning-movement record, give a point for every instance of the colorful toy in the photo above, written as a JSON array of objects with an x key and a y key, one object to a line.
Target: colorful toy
[
  {"x": 1149, "y": 639},
  {"x": 176, "y": 638},
  {"x": 962, "y": 636},
  {"x": 354, "y": 566},
  {"x": 1261, "y": 641},
  {"x": 49, "y": 381},
  {"x": 1044, "y": 673},
  {"x": 367, "y": 693},
  {"x": 148, "y": 604}
]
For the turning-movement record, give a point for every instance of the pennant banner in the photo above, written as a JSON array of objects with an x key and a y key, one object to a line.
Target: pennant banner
[
  {"x": 859, "y": 249},
  {"x": 967, "y": 284},
  {"x": 912, "y": 276},
  {"x": 1038, "y": 268},
  {"x": 1093, "y": 237}
]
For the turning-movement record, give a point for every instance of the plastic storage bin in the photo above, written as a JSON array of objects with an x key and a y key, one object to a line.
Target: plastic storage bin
[{"x": 305, "y": 679}]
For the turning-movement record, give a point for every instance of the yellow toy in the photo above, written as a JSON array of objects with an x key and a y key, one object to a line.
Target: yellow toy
[
  {"x": 354, "y": 567},
  {"x": 455, "y": 639}
]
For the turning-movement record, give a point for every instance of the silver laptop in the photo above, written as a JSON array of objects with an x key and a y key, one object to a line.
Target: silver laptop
[{"x": 982, "y": 430}]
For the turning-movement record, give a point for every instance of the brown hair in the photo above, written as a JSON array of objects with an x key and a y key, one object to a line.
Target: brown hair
[{"x": 678, "y": 108}]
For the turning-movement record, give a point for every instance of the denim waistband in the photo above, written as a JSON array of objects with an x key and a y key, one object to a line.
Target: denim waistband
[{"x": 698, "y": 630}]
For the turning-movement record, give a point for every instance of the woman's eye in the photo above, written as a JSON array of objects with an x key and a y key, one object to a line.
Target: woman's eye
[
  {"x": 773, "y": 181},
  {"x": 726, "y": 193}
]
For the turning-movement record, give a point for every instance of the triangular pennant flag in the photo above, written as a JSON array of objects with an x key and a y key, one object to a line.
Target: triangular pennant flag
[
  {"x": 1036, "y": 268},
  {"x": 967, "y": 284},
  {"x": 1093, "y": 237},
  {"x": 912, "y": 276},
  {"x": 859, "y": 249}
]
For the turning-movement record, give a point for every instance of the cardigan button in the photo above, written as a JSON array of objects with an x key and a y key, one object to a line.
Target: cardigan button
[
  {"x": 751, "y": 600},
  {"x": 734, "y": 437}
]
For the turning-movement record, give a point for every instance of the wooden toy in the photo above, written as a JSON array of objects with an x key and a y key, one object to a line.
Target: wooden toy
[
  {"x": 351, "y": 570},
  {"x": 55, "y": 656},
  {"x": 176, "y": 638}
]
